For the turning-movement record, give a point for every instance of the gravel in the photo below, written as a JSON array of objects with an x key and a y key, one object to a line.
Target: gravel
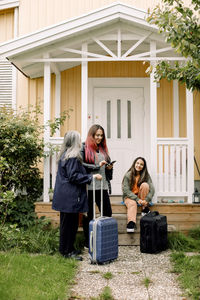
[{"x": 129, "y": 274}]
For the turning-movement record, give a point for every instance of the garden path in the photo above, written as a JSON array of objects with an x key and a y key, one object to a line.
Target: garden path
[{"x": 135, "y": 276}]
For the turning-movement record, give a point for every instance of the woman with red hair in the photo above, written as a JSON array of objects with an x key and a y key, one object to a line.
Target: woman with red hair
[{"x": 95, "y": 159}]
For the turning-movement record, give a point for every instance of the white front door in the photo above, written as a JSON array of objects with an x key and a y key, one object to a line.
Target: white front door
[{"x": 120, "y": 111}]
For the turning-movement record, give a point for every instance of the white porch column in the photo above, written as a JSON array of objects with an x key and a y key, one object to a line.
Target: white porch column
[
  {"x": 190, "y": 136},
  {"x": 47, "y": 101},
  {"x": 57, "y": 100},
  {"x": 84, "y": 96},
  {"x": 57, "y": 133},
  {"x": 176, "y": 107},
  {"x": 153, "y": 123}
]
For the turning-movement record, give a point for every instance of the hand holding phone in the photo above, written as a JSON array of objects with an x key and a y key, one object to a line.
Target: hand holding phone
[{"x": 111, "y": 163}]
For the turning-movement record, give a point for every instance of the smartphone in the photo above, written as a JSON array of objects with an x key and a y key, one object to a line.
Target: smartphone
[{"x": 111, "y": 163}]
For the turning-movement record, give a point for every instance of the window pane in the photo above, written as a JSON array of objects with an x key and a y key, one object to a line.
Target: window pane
[
  {"x": 119, "y": 119},
  {"x": 108, "y": 119},
  {"x": 129, "y": 118}
]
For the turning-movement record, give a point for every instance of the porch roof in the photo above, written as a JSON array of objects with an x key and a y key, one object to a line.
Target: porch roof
[{"x": 115, "y": 32}]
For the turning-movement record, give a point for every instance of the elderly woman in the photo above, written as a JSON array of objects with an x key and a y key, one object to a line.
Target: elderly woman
[{"x": 70, "y": 197}]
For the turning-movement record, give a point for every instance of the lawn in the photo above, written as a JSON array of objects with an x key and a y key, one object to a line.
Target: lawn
[
  {"x": 188, "y": 268},
  {"x": 35, "y": 277}
]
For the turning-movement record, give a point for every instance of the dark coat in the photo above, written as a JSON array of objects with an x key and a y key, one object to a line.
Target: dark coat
[{"x": 70, "y": 188}]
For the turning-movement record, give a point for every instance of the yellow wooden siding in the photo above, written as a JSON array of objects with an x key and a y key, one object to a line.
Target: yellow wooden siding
[
  {"x": 71, "y": 98},
  {"x": 182, "y": 111},
  {"x": 36, "y": 14},
  {"x": 197, "y": 132},
  {"x": 6, "y": 25},
  {"x": 165, "y": 109},
  {"x": 117, "y": 69},
  {"x": 22, "y": 90}
]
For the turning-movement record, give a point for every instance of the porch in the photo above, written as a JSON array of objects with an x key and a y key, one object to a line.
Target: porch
[
  {"x": 180, "y": 216},
  {"x": 172, "y": 191},
  {"x": 172, "y": 180}
]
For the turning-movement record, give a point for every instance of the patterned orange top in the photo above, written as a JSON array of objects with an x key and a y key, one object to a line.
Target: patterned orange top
[{"x": 135, "y": 188}]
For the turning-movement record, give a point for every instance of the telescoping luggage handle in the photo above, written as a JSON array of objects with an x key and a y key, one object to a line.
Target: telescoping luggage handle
[{"x": 94, "y": 210}]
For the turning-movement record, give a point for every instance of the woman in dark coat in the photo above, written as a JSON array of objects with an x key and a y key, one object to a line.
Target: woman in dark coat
[{"x": 70, "y": 195}]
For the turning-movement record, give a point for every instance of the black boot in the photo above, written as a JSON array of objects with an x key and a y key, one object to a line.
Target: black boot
[{"x": 86, "y": 230}]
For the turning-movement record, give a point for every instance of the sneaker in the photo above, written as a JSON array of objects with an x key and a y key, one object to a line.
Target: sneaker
[
  {"x": 130, "y": 227},
  {"x": 145, "y": 211}
]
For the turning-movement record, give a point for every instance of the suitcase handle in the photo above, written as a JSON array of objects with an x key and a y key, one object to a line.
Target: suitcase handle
[
  {"x": 155, "y": 213},
  {"x": 94, "y": 210},
  {"x": 91, "y": 238}
]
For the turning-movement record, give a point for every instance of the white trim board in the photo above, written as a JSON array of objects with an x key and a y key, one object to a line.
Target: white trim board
[{"x": 5, "y": 4}]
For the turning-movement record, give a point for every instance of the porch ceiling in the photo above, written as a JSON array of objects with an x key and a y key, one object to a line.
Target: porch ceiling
[{"x": 116, "y": 32}]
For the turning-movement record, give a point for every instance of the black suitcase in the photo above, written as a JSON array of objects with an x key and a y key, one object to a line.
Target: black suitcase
[{"x": 153, "y": 233}]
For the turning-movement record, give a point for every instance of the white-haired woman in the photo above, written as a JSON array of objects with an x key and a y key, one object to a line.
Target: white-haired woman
[{"x": 70, "y": 197}]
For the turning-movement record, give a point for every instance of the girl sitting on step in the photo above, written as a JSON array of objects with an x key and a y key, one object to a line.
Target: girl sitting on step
[{"x": 137, "y": 189}]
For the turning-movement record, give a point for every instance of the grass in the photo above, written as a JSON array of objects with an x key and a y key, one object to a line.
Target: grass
[
  {"x": 108, "y": 275},
  {"x": 106, "y": 294},
  {"x": 180, "y": 242},
  {"x": 188, "y": 268},
  {"x": 146, "y": 282},
  {"x": 35, "y": 277}
]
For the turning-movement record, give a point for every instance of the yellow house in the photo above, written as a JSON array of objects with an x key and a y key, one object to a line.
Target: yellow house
[{"x": 92, "y": 57}]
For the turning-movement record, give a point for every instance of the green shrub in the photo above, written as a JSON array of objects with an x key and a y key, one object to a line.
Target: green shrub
[
  {"x": 40, "y": 238},
  {"x": 21, "y": 149}
]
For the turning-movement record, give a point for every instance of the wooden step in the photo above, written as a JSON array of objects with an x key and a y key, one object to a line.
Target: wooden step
[
  {"x": 129, "y": 239},
  {"x": 180, "y": 216}
]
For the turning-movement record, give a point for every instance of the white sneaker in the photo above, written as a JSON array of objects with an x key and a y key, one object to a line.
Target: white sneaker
[
  {"x": 145, "y": 211},
  {"x": 130, "y": 227}
]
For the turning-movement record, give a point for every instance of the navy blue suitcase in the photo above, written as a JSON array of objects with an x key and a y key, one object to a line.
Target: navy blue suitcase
[{"x": 103, "y": 237}]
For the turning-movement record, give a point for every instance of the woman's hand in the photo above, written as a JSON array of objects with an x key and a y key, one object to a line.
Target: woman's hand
[
  {"x": 143, "y": 202},
  {"x": 109, "y": 167},
  {"x": 97, "y": 176},
  {"x": 102, "y": 163}
]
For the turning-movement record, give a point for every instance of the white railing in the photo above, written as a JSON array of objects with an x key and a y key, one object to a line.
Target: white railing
[
  {"x": 57, "y": 141},
  {"x": 172, "y": 173}
]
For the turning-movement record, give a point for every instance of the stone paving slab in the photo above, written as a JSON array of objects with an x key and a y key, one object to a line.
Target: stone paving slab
[{"x": 128, "y": 274}]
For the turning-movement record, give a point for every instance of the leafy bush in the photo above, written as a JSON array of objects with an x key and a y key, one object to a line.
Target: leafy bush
[
  {"x": 40, "y": 238},
  {"x": 21, "y": 149}
]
